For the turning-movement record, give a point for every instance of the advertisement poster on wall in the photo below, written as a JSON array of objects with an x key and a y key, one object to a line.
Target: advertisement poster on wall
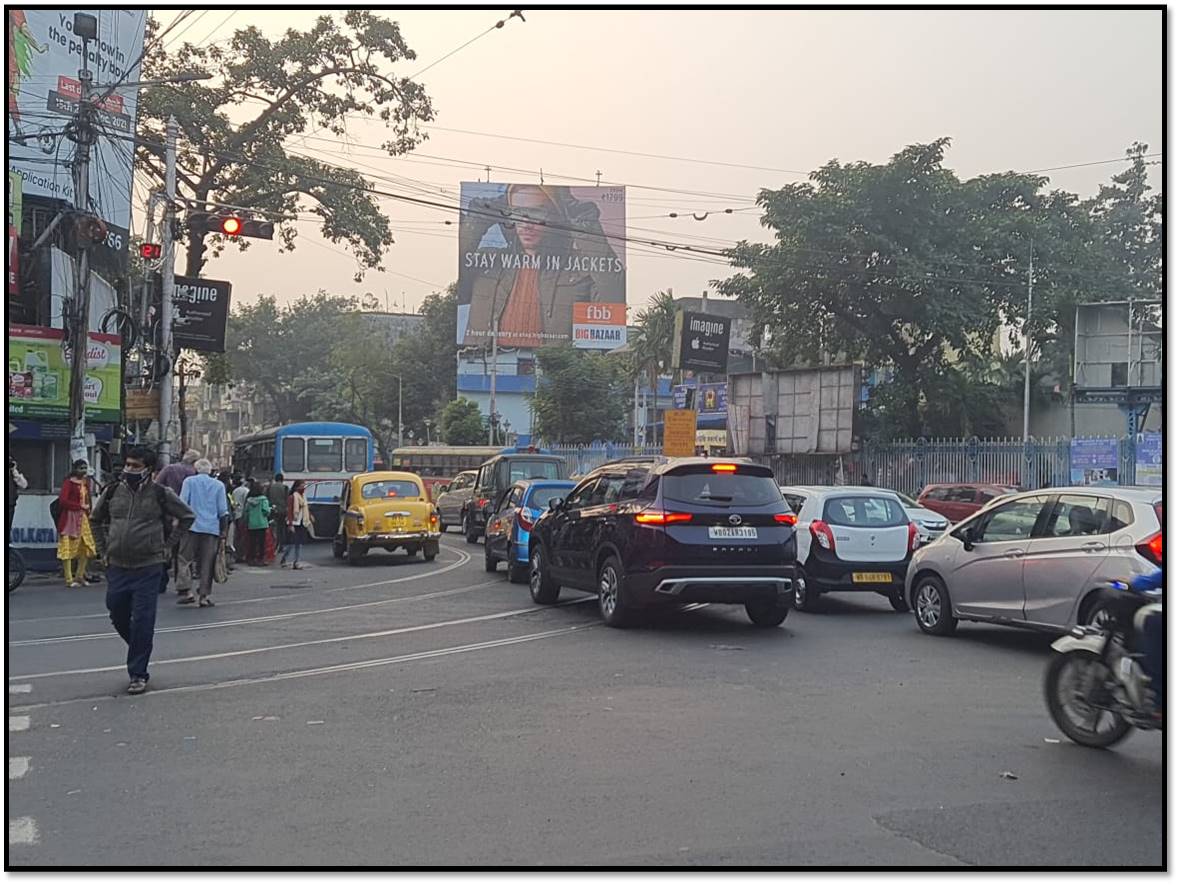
[
  {"x": 1148, "y": 468},
  {"x": 39, "y": 375},
  {"x": 530, "y": 253},
  {"x": 1094, "y": 462},
  {"x": 711, "y": 402}
]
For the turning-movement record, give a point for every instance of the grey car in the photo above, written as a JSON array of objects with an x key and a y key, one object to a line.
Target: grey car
[
  {"x": 1036, "y": 559},
  {"x": 450, "y": 503}
]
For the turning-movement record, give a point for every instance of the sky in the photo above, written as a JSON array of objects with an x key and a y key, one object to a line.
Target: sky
[{"x": 784, "y": 90}]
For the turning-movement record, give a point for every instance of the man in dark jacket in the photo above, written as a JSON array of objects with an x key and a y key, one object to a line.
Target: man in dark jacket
[{"x": 129, "y": 527}]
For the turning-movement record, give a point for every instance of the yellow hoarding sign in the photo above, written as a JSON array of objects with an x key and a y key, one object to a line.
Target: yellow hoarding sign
[{"x": 679, "y": 433}]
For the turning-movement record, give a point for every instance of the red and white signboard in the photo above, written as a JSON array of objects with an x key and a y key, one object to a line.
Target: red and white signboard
[{"x": 599, "y": 326}]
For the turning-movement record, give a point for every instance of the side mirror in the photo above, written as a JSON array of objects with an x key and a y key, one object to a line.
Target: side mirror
[
  {"x": 556, "y": 503},
  {"x": 967, "y": 536},
  {"x": 441, "y": 489}
]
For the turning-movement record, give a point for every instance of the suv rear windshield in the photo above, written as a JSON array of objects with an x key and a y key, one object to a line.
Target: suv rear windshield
[
  {"x": 866, "y": 511},
  {"x": 701, "y": 485},
  {"x": 511, "y": 470}
]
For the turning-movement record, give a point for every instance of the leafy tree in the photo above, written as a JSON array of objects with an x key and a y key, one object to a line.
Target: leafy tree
[
  {"x": 1130, "y": 222},
  {"x": 580, "y": 395},
  {"x": 460, "y": 423},
  {"x": 903, "y": 265},
  {"x": 651, "y": 347},
  {"x": 234, "y": 132}
]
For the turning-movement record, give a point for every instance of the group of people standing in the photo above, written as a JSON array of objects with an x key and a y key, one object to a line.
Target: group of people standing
[{"x": 271, "y": 518}]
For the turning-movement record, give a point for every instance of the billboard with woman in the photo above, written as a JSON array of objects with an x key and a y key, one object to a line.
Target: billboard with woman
[{"x": 529, "y": 252}]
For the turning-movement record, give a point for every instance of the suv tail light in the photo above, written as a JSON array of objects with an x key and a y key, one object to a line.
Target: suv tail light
[
  {"x": 1152, "y": 548},
  {"x": 482, "y": 502},
  {"x": 524, "y": 519},
  {"x": 724, "y": 468},
  {"x": 786, "y": 518},
  {"x": 823, "y": 535},
  {"x": 660, "y": 517},
  {"x": 914, "y": 537}
]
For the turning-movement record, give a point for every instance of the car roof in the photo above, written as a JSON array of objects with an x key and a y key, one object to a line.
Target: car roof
[
  {"x": 384, "y": 475},
  {"x": 842, "y": 490},
  {"x": 1141, "y": 494},
  {"x": 543, "y": 483},
  {"x": 662, "y": 467}
]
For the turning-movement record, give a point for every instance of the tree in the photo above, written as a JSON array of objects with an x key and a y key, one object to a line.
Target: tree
[
  {"x": 580, "y": 395},
  {"x": 654, "y": 339},
  {"x": 460, "y": 423},
  {"x": 904, "y": 266},
  {"x": 1130, "y": 222},
  {"x": 279, "y": 89}
]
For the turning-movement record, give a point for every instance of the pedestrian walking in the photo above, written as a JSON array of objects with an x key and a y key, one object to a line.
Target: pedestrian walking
[
  {"x": 226, "y": 479},
  {"x": 206, "y": 498},
  {"x": 75, "y": 540},
  {"x": 299, "y": 517},
  {"x": 16, "y": 484},
  {"x": 241, "y": 544},
  {"x": 138, "y": 521},
  {"x": 278, "y": 495},
  {"x": 257, "y": 520},
  {"x": 172, "y": 478}
]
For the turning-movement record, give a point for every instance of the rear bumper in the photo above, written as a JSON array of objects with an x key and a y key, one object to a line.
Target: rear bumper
[
  {"x": 378, "y": 538},
  {"x": 715, "y": 584},
  {"x": 826, "y": 575}
]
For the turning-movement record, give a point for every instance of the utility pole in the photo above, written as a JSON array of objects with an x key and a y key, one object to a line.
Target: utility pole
[
  {"x": 86, "y": 27},
  {"x": 167, "y": 288},
  {"x": 1027, "y": 355},
  {"x": 494, "y": 369}
]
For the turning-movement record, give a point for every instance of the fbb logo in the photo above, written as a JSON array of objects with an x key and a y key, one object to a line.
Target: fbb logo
[{"x": 593, "y": 313}]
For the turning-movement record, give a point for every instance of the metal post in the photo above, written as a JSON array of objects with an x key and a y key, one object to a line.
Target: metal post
[
  {"x": 79, "y": 338},
  {"x": 167, "y": 287},
  {"x": 400, "y": 425},
  {"x": 1027, "y": 367},
  {"x": 494, "y": 368}
]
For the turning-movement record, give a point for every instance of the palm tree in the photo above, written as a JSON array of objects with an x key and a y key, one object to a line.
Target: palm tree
[{"x": 652, "y": 347}]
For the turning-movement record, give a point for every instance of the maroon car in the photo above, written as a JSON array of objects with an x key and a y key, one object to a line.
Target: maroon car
[{"x": 956, "y": 501}]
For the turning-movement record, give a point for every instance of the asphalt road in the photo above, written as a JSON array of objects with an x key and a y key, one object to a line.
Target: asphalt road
[{"x": 405, "y": 713}]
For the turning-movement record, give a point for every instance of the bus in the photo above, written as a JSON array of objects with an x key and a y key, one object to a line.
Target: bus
[
  {"x": 444, "y": 461},
  {"x": 310, "y": 450}
]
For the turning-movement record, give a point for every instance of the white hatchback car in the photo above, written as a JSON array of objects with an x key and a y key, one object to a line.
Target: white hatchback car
[
  {"x": 850, "y": 538},
  {"x": 1037, "y": 559}
]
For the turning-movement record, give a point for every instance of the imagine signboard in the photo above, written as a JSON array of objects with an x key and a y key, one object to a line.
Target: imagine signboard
[
  {"x": 701, "y": 343},
  {"x": 530, "y": 254}
]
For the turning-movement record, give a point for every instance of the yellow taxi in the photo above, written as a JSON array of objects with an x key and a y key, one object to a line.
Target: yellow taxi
[{"x": 388, "y": 509}]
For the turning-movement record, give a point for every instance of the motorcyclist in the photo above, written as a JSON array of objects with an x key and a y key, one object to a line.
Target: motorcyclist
[{"x": 1152, "y": 636}]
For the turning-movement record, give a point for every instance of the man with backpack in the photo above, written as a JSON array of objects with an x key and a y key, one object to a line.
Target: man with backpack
[{"x": 130, "y": 522}]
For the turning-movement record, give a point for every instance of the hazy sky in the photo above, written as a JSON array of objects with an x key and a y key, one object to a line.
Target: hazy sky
[{"x": 786, "y": 90}]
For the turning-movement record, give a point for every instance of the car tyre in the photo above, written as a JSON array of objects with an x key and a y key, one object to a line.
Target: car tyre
[
  {"x": 806, "y": 597},
  {"x": 490, "y": 563},
  {"x": 543, "y": 589},
  {"x": 767, "y": 613},
  {"x": 356, "y": 553},
  {"x": 430, "y": 551},
  {"x": 338, "y": 547},
  {"x": 470, "y": 530},
  {"x": 611, "y": 595},
  {"x": 932, "y": 608},
  {"x": 518, "y": 573}
]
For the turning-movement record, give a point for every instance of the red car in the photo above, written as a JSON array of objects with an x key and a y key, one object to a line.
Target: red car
[{"x": 956, "y": 501}]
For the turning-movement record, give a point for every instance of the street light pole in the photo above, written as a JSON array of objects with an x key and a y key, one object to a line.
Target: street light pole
[{"x": 1027, "y": 355}]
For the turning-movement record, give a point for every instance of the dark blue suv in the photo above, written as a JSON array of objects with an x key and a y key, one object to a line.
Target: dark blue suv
[{"x": 685, "y": 530}]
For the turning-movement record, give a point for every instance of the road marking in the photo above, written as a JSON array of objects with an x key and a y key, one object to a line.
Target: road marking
[
  {"x": 20, "y": 689},
  {"x": 261, "y": 619},
  {"x": 289, "y": 645},
  {"x": 463, "y": 559},
  {"x": 338, "y": 668},
  {"x": 18, "y": 723},
  {"x": 22, "y": 831},
  {"x": 18, "y": 767}
]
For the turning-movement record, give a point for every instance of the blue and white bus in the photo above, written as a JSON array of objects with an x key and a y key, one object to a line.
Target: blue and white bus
[{"x": 310, "y": 450}]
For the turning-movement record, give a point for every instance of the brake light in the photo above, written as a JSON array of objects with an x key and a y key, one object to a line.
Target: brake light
[
  {"x": 823, "y": 535},
  {"x": 524, "y": 520},
  {"x": 1152, "y": 548},
  {"x": 482, "y": 502},
  {"x": 786, "y": 518},
  {"x": 914, "y": 537},
  {"x": 433, "y": 518},
  {"x": 724, "y": 468},
  {"x": 659, "y": 517}
]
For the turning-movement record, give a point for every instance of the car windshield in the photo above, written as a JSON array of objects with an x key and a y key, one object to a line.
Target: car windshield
[
  {"x": 519, "y": 469},
  {"x": 391, "y": 488},
  {"x": 908, "y": 502},
  {"x": 864, "y": 511},
  {"x": 703, "y": 486}
]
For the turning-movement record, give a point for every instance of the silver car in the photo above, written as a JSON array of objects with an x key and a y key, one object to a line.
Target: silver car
[{"x": 1035, "y": 559}]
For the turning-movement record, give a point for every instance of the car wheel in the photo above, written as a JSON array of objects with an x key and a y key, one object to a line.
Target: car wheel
[
  {"x": 1096, "y": 614},
  {"x": 767, "y": 612},
  {"x": 470, "y": 530},
  {"x": 806, "y": 598},
  {"x": 490, "y": 563},
  {"x": 611, "y": 597},
  {"x": 442, "y": 526},
  {"x": 356, "y": 553},
  {"x": 543, "y": 589},
  {"x": 338, "y": 548},
  {"x": 897, "y": 599},
  {"x": 518, "y": 573},
  {"x": 931, "y": 607},
  {"x": 430, "y": 551}
]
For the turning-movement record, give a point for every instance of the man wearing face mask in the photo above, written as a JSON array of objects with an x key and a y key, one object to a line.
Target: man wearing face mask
[{"x": 129, "y": 522}]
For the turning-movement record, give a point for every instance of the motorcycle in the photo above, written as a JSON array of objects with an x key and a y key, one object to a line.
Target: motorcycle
[{"x": 1095, "y": 687}]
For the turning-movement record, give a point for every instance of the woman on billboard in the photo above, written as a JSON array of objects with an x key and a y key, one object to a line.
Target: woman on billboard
[{"x": 527, "y": 256}]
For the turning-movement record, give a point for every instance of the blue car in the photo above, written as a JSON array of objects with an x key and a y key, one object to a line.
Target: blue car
[{"x": 511, "y": 520}]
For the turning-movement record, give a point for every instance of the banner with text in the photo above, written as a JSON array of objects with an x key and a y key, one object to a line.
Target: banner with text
[
  {"x": 39, "y": 375},
  {"x": 599, "y": 326},
  {"x": 1093, "y": 462},
  {"x": 529, "y": 254},
  {"x": 201, "y": 312}
]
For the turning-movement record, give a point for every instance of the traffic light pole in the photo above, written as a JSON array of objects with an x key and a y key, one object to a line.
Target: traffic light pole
[
  {"x": 168, "y": 275},
  {"x": 79, "y": 328}
]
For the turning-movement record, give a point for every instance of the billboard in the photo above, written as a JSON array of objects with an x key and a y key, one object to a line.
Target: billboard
[
  {"x": 43, "y": 93},
  {"x": 530, "y": 253},
  {"x": 598, "y": 326},
  {"x": 1148, "y": 467},
  {"x": 701, "y": 343},
  {"x": 201, "y": 311},
  {"x": 39, "y": 375},
  {"x": 711, "y": 402},
  {"x": 1093, "y": 462}
]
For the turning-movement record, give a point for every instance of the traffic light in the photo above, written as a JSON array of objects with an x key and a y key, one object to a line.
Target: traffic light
[
  {"x": 150, "y": 251},
  {"x": 231, "y": 225}
]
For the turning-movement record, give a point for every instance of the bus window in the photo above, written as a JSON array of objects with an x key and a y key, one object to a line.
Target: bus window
[
  {"x": 324, "y": 455},
  {"x": 355, "y": 455},
  {"x": 294, "y": 457}
]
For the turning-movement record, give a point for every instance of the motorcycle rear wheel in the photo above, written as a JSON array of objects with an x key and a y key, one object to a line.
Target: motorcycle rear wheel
[{"x": 1066, "y": 700}]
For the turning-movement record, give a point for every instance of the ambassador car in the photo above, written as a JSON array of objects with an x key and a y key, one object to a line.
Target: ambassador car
[
  {"x": 389, "y": 510},
  {"x": 642, "y": 534}
]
